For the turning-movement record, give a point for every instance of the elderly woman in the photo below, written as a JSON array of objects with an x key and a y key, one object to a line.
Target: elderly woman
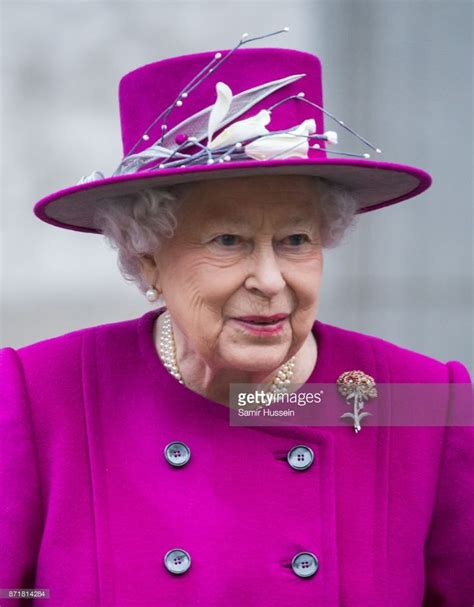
[{"x": 122, "y": 481}]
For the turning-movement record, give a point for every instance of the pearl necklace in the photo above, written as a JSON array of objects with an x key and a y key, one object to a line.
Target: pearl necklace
[{"x": 167, "y": 350}]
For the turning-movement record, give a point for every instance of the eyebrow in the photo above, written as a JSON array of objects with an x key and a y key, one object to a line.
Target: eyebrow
[{"x": 238, "y": 221}]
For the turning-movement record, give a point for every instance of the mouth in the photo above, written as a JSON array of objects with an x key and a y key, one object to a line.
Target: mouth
[
  {"x": 263, "y": 325},
  {"x": 263, "y": 320}
]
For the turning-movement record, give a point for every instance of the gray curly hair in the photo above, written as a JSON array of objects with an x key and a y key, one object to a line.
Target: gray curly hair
[{"x": 137, "y": 224}]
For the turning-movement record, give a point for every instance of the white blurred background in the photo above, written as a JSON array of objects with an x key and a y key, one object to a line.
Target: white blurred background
[{"x": 400, "y": 73}]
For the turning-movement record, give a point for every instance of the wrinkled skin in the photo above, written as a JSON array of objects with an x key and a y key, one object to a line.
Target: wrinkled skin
[{"x": 243, "y": 246}]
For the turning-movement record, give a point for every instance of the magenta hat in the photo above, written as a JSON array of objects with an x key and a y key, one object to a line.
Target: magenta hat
[{"x": 229, "y": 113}]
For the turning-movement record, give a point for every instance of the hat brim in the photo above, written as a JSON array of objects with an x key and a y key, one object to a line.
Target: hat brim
[{"x": 373, "y": 184}]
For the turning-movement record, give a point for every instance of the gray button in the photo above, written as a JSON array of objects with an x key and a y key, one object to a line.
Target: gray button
[
  {"x": 305, "y": 564},
  {"x": 177, "y": 453},
  {"x": 177, "y": 561},
  {"x": 300, "y": 457}
]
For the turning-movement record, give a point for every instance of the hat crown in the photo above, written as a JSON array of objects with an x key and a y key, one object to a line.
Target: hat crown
[{"x": 146, "y": 92}]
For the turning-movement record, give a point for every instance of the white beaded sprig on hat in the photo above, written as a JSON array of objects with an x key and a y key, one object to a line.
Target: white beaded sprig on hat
[
  {"x": 167, "y": 350},
  {"x": 246, "y": 139}
]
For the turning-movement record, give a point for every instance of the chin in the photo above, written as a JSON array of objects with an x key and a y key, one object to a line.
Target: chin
[{"x": 259, "y": 359}]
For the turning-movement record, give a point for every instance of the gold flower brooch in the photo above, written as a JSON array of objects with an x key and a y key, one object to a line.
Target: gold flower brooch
[{"x": 359, "y": 387}]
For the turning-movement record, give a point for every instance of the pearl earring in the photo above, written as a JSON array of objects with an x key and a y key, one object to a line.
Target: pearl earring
[{"x": 152, "y": 294}]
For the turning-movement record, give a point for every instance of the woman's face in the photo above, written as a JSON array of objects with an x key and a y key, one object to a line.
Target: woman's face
[{"x": 243, "y": 247}]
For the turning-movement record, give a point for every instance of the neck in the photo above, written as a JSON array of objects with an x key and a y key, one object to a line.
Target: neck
[{"x": 213, "y": 383}]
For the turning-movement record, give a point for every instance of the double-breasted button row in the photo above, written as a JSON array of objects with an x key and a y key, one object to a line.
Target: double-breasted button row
[
  {"x": 304, "y": 564},
  {"x": 299, "y": 457}
]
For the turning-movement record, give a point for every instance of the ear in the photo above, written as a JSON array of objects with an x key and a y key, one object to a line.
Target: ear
[{"x": 150, "y": 270}]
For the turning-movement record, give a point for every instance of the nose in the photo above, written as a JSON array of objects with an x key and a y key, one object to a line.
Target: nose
[{"x": 264, "y": 272}]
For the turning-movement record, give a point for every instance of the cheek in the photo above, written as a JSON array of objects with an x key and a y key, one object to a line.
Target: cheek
[
  {"x": 305, "y": 283},
  {"x": 219, "y": 283},
  {"x": 304, "y": 280},
  {"x": 197, "y": 291}
]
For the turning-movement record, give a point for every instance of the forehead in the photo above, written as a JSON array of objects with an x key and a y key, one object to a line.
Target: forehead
[{"x": 280, "y": 199}]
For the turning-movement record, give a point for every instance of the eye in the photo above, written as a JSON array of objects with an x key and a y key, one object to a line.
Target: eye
[
  {"x": 227, "y": 240},
  {"x": 296, "y": 239}
]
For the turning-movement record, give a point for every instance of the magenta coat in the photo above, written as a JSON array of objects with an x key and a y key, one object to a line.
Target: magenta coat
[{"x": 90, "y": 505}]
